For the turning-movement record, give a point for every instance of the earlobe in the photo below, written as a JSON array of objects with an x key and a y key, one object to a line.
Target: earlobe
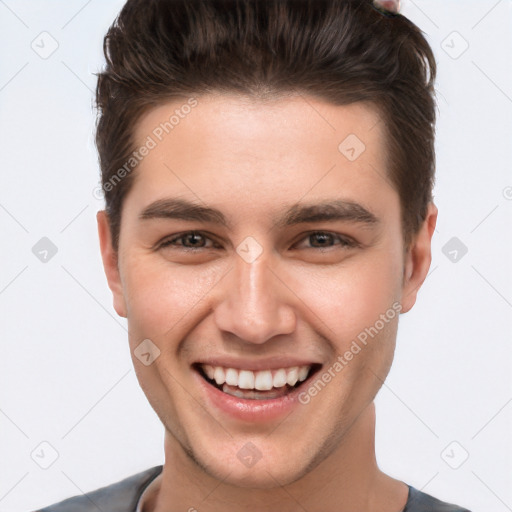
[
  {"x": 110, "y": 263},
  {"x": 418, "y": 259}
]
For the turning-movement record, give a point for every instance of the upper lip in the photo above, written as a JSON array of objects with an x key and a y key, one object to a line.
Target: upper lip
[{"x": 273, "y": 363}]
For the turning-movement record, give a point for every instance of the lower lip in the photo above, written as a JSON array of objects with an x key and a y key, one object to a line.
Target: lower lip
[{"x": 250, "y": 410}]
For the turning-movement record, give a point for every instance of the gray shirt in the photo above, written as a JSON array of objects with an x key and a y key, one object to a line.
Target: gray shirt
[{"x": 124, "y": 496}]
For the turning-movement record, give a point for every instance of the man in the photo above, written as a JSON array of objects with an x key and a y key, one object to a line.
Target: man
[{"x": 268, "y": 170}]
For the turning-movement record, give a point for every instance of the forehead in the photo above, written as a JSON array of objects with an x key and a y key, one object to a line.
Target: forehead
[
  {"x": 217, "y": 147},
  {"x": 299, "y": 118}
]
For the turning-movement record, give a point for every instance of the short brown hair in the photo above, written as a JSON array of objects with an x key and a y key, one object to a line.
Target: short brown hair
[{"x": 341, "y": 51}]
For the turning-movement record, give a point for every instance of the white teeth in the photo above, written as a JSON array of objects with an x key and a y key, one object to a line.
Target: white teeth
[
  {"x": 303, "y": 373},
  {"x": 246, "y": 379},
  {"x": 219, "y": 375},
  {"x": 280, "y": 378},
  {"x": 293, "y": 376},
  {"x": 231, "y": 377},
  {"x": 263, "y": 380},
  {"x": 209, "y": 370}
]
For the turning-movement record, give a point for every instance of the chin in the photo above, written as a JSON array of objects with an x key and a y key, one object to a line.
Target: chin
[
  {"x": 267, "y": 472},
  {"x": 259, "y": 478}
]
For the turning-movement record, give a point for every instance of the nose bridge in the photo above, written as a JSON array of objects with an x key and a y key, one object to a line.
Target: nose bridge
[{"x": 254, "y": 306}]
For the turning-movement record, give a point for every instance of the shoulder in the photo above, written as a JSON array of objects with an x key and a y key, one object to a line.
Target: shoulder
[
  {"x": 121, "y": 496},
  {"x": 420, "y": 502}
]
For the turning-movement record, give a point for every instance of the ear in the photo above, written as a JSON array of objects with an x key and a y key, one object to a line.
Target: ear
[
  {"x": 417, "y": 259},
  {"x": 110, "y": 263}
]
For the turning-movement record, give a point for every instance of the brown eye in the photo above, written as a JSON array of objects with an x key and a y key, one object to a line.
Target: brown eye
[
  {"x": 190, "y": 240},
  {"x": 325, "y": 239}
]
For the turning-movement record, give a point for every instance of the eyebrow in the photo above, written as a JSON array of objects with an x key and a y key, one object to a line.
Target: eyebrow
[{"x": 335, "y": 210}]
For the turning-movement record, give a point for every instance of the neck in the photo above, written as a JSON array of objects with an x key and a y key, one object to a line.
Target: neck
[{"x": 345, "y": 478}]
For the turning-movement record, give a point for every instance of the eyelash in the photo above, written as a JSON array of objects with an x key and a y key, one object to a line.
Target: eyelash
[{"x": 345, "y": 242}]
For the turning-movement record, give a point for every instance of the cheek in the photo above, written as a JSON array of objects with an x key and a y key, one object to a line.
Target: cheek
[
  {"x": 352, "y": 296},
  {"x": 159, "y": 295}
]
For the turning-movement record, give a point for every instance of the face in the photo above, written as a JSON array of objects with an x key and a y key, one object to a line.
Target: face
[{"x": 261, "y": 243}]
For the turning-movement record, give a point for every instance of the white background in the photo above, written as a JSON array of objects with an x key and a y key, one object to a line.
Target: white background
[{"x": 66, "y": 374}]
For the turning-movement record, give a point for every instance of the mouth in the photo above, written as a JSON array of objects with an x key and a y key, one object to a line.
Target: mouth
[{"x": 269, "y": 384}]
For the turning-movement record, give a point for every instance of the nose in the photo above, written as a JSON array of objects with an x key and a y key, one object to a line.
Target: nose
[{"x": 255, "y": 303}]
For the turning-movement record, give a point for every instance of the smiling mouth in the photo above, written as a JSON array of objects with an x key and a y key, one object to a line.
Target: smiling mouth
[{"x": 260, "y": 385}]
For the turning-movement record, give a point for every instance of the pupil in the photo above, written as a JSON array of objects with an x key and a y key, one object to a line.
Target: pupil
[
  {"x": 322, "y": 236},
  {"x": 193, "y": 237}
]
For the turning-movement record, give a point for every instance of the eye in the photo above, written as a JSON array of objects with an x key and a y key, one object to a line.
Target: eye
[
  {"x": 190, "y": 240},
  {"x": 323, "y": 239},
  {"x": 196, "y": 240}
]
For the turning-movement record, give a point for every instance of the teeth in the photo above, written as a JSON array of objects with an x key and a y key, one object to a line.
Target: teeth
[
  {"x": 263, "y": 380},
  {"x": 231, "y": 377},
  {"x": 219, "y": 375},
  {"x": 253, "y": 394},
  {"x": 209, "y": 370},
  {"x": 303, "y": 373},
  {"x": 245, "y": 380},
  {"x": 280, "y": 378},
  {"x": 292, "y": 376}
]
